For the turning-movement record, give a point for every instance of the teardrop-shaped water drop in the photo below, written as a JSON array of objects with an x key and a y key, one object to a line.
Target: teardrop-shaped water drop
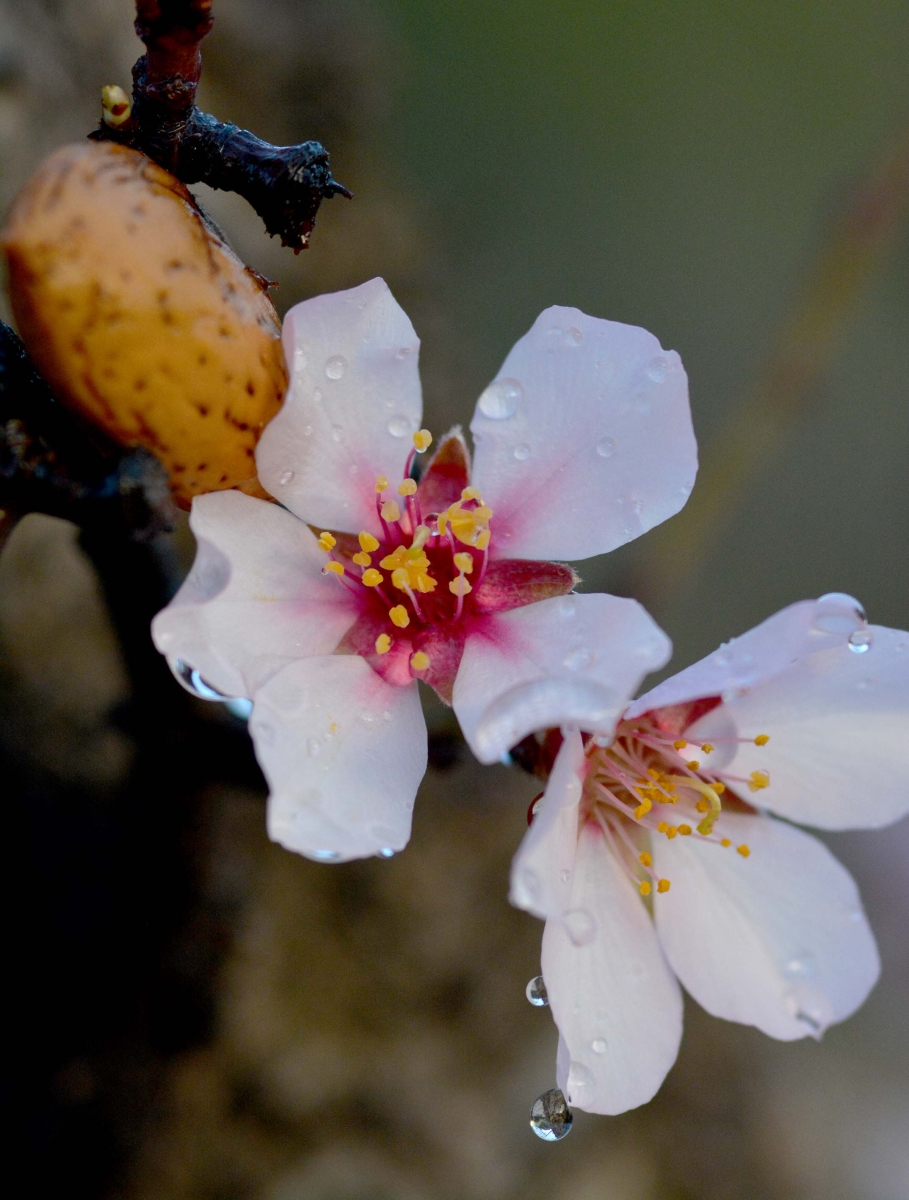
[
  {"x": 285, "y": 478},
  {"x": 500, "y": 400},
  {"x": 399, "y": 426},
  {"x": 837, "y": 612},
  {"x": 193, "y": 682},
  {"x": 657, "y": 369},
  {"x": 606, "y": 447},
  {"x": 336, "y": 366},
  {"x": 860, "y": 642},
  {"x": 550, "y": 1116},
  {"x": 326, "y": 855},
  {"x": 536, "y": 992},
  {"x": 522, "y": 452}
]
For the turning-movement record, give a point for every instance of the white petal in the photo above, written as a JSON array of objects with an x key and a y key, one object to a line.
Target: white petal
[
  {"x": 838, "y": 724},
  {"x": 544, "y": 864},
  {"x": 343, "y": 753},
  {"x": 613, "y": 997},
  {"x": 584, "y": 439},
  {"x": 777, "y": 940},
  {"x": 354, "y": 402},
  {"x": 572, "y": 660},
  {"x": 255, "y": 598}
]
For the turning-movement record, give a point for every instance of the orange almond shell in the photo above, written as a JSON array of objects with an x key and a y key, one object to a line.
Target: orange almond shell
[{"x": 141, "y": 317}]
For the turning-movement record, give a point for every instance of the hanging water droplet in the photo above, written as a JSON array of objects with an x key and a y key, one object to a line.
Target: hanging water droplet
[
  {"x": 386, "y": 852},
  {"x": 579, "y": 658},
  {"x": 836, "y": 612},
  {"x": 581, "y": 926},
  {"x": 800, "y": 966},
  {"x": 500, "y": 400},
  {"x": 399, "y": 426},
  {"x": 573, "y": 336},
  {"x": 550, "y": 1116},
  {"x": 657, "y": 369},
  {"x": 285, "y": 478},
  {"x": 811, "y": 1008},
  {"x": 326, "y": 855},
  {"x": 581, "y": 1083},
  {"x": 336, "y": 366},
  {"x": 598, "y": 1045},
  {"x": 606, "y": 447},
  {"x": 313, "y": 747},
  {"x": 536, "y": 992},
  {"x": 193, "y": 681},
  {"x": 860, "y": 641},
  {"x": 522, "y": 452}
]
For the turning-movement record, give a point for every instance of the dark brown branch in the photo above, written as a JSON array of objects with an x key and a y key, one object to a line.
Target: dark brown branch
[{"x": 284, "y": 184}]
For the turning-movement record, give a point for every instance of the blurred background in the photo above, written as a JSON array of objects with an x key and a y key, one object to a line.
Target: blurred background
[{"x": 198, "y": 1013}]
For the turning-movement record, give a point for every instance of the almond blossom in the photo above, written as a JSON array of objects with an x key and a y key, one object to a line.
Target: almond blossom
[
  {"x": 654, "y": 858},
  {"x": 582, "y": 442}
]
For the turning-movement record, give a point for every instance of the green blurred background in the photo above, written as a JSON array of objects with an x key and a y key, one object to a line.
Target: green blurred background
[{"x": 685, "y": 167}]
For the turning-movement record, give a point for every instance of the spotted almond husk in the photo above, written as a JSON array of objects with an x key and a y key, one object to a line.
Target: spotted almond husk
[{"x": 141, "y": 317}]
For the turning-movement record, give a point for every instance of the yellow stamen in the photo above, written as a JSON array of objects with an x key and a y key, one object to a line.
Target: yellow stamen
[
  {"x": 680, "y": 744},
  {"x": 459, "y": 586},
  {"x": 702, "y": 805},
  {"x": 707, "y": 748},
  {"x": 327, "y": 542},
  {"x": 663, "y": 885},
  {"x": 115, "y": 105},
  {"x": 422, "y": 440},
  {"x": 758, "y": 780},
  {"x": 390, "y": 511},
  {"x": 693, "y": 765},
  {"x": 372, "y": 577},
  {"x": 725, "y": 842},
  {"x": 399, "y": 616},
  {"x": 399, "y": 578},
  {"x": 672, "y": 832},
  {"x": 421, "y": 536},
  {"x": 743, "y": 850},
  {"x": 662, "y": 827},
  {"x": 483, "y": 539},
  {"x": 684, "y": 830},
  {"x": 368, "y": 542},
  {"x": 645, "y": 887},
  {"x": 719, "y": 788},
  {"x": 335, "y": 568},
  {"x": 383, "y": 643},
  {"x": 645, "y": 860},
  {"x": 464, "y": 561},
  {"x": 419, "y": 661},
  {"x": 762, "y": 739},
  {"x": 361, "y": 559},
  {"x": 381, "y": 483},
  {"x": 407, "y": 488},
  {"x": 410, "y": 567},
  {"x": 471, "y": 493},
  {"x": 710, "y": 795}
]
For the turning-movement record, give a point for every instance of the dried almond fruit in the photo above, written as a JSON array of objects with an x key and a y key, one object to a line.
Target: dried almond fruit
[{"x": 141, "y": 317}]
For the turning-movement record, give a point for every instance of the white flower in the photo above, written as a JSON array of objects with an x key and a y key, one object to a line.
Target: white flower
[
  {"x": 807, "y": 717},
  {"x": 583, "y": 441}
]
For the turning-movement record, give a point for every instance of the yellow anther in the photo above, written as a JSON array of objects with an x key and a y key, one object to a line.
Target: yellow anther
[
  {"x": 758, "y": 780},
  {"x": 672, "y": 832},
  {"x": 390, "y": 511},
  {"x": 399, "y": 616},
  {"x": 702, "y": 805},
  {"x": 459, "y": 586},
  {"x": 483, "y": 539},
  {"x": 680, "y": 744},
  {"x": 663, "y": 885},
  {"x": 335, "y": 568},
  {"x": 725, "y": 842},
  {"x": 372, "y": 577},
  {"x": 464, "y": 561},
  {"x": 381, "y": 483},
  {"x": 707, "y": 748},
  {"x": 642, "y": 809},
  {"x": 471, "y": 493},
  {"x": 115, "y": 105},
  {"x": 407, "y": 488},
  {"x": 327, "y": 542},
  {"x": 409, "y": 569},
  {"x": 368, "y": 542},
  {"x": 662, "y": 827},
  {"x": 719, "y": 788},
  {"x": 482, "y": 512},
  {"x": 442, "y": 522},
  {"x": 362, "y": 559},
  {"x": 422, "y": 440},
  {"x": 693, "y": 765},
  {"x": 743, "y": 850},
  {"x": 645, "y": 887},
  {"x": 762, "y": 739},
  {"x": 383, "y": 643},
  {"x": 645, "y": 860},
  {"x": 684, "y": 830},
  {"x": 419, "y": 661},
  {"x": 652, "y": 773},
  {"x": 421, "y": 536},
  {"x": 399, "y": 578}
]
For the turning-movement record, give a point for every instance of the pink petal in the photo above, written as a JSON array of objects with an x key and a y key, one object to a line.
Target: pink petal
[
  {"x": 569, "y": 661},
  {"x": 354, "y": 402},
  {"x": 777, "y": 940},
  {"x": 343, "y": 753},
  {"x": 613, "y": 997},
  {"x": 255, "y": 598},
  {"x": 584, "y": 439}
]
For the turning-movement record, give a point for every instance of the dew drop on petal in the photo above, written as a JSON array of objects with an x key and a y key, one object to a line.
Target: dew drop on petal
[
  {"x": 500, "y": 400},
  {"x": 579, "y": 658},
  {"x": 336, "y": 366},
  {"x": 550, "y": 1116},
  {"x": 598, "y": 1045},
  {"x": 300, "y": 360},
  {"x": 386, "y": 852},
  {"x": 536, "y": 992},
  {"x": 522, "y": 452},
  {"x": 800, "y": 966},
  {"x": 337, "y": 433},
  {"x": 811, "y": 1008},
  {"x": 193, "y": 681},
  {"x": 581, "y": 926},
  {"x": 313, "y": 747},
  {"x": 326, "y": 855},
  {"x": 573, "y": 336},
  {"x": 581, "y": 1083},
  {"x": 657, "y": 369},
  {"x": 386, "y": 715},
  {"x": 606, "y": 447},
  {"x": 398, "y": 426},
  {"x": 307, "y": 430},
  {"x": 317, "y": 395},
  {"x": 404, "y": 352},
  {"x": 860, "y": 641},
  {"x": 836, "y": 612},
  {"x": 564, "y": 875},
  {"x": 285, "y": 478}
]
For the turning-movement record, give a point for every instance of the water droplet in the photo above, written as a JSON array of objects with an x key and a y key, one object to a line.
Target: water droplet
[
  {"x": 399, "y": 426},
  {"x": 386, "y": 852},
  {"x": 836, "y": 612},
  {"x": 522, "y": 452},
  {"x": 369, "y": 716},
  {"x": 657, "y": 369},
  {"x": 307, "y": 431},
  {"x": 285, "y": 478},
  {"x": 317, "y": 395},
  {"x": 404, "y": 352},
  {"x": 550, "y": 1116},
  {"x": 598, "y": 1045},
  {"x": 504, "y": 533},
  {"x": 581, "y": 926},
  {"x": 313, "y": 747},
  {"x": 300, "y": 360},
  {"x": 500, "y": 400},
  {"x": 337, "y": 433},
  {"x": 326, "y": 855},
  {"x": 581, "y": 1083},
  {"x": 810, "y": 1007},
  {"x": 579, "y": 658},
  {"x": 336, "y": 366},
  {"x": 637, "y": 507},
  {"x": 573, "y": 336},
  {"x": 536, "y": 992},
  {"x": 800, "y": 966},
  {"x": 606, "y": 447},
  {"x": 602, "y": 740},
  {"x": 564, "y": 875},
  {"x": 193, "y": 682},
  {"x": 860, "y": 641}
]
